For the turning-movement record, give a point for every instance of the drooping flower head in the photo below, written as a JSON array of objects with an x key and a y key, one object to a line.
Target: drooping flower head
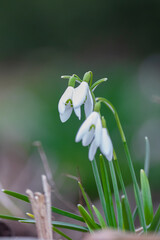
[
  {"x": 73, "y": 98},
  {"x": 93, "y": 132},
  {"x": 65, "y": 105}
]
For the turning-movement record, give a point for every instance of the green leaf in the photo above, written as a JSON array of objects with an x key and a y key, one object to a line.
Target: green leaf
[
  {"x": 128, "y": 209},
  {"x": 54, "y": 209},
  {"x": 67, "y": 214},
  {"x": 146, "y": 197},
  {"x": 155, "y": 224},
  {"x": 126, "y": 224},
  {"x": 59, "y": 224},
  {"x": 86, "y": 199},
  {"x": 17, "y": 195},
  {"x": 116, "y": 194},
  {"x": 87, "y": 218},
  {"x": 99, "y": 216},
  {"x": 147, "y": 156},
  {"x": 60, "y": 233},
  {"x": 12, "y": 218},
  {"x": 107, "y": 193},
  {"x": 97, "y": 83}
]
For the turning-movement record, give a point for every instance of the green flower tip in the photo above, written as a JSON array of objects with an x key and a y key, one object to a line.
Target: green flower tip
[
  {"x": 97, "y": 107},
  {"x": 104, "y": 123},
  {"x": 87, "y": 76},
  {"x": 72, "y": 81}
]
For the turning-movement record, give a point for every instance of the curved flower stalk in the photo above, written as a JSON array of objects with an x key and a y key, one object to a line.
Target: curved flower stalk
[
  {"x": 92, "y": 132},
  {"x": 73, "y": 98}
]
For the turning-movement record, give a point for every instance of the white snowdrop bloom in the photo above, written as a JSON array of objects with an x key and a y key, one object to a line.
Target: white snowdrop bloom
[
  {"x": 105, "y": 146},
  {"x": 82, "y": 95},
  {"x": 92, "y": 132},
  {"x": 73, "y": 98},
  {"x": 65, "y": 104},
  {"x": 90, "y": 129}
]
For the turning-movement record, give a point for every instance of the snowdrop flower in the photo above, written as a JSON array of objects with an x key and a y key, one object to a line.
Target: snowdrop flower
[
  {"x": 105, "y": 146},
  {"x": 92, "y": 132},
  {"x": 82, "y": 95},
  {"x": 73, "y": 98}
]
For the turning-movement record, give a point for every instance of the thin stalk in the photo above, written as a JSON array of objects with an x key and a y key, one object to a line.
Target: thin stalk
[
  {"x": 116, "y": 194},
  {"x": 99, "y": 188},
  {"x": 118, "y": 170},
  {"x": 126, "y": 149}
]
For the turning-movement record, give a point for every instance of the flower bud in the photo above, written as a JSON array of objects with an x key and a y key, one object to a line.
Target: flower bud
[
  {"x": 87, "y": 76},
  {"x": 72, "y": 81}
]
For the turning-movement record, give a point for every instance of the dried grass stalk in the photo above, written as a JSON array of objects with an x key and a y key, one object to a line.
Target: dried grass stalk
[{"x": 41, "y": 207}]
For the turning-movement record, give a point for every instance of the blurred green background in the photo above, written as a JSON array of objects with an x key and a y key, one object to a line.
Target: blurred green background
[{"x": 42, "y": 40}]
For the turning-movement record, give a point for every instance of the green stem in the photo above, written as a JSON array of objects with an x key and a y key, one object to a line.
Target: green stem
[
  {"x": 99, "y": 188},
  {"x": 116, "y": 193},
  {"x": 130, "y": 220},
  {"x": 139, "y": 201}
]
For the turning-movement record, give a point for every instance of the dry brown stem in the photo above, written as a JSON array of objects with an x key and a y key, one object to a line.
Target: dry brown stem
[{"x": 41, "y": 207}]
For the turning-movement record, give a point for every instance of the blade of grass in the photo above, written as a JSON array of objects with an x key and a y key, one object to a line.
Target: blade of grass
[
  {"x": 146, "y": 197},
  {"x": 54, "y": 209},
  {"x": 60, "y": 233},
  {"x": 99, "y": 217},
  {"x": 100, "y": 189},
  {"x": 128, "y": 209},
  {"x": 126, "y": 225},
  {"x": 107, "y": 193},
  {"x": 116, "y": 194},
  {"x": 88, "y": 220},
  {"x": 61, "y": 225},
  {"x": 147, "y": 157},
  {"x": 12, "y": 218},
  {"x": 86, "y": 199},
  {"x": 156, "y": 221}
]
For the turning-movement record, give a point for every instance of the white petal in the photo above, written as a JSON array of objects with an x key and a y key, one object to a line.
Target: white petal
[
  {"x": 86, "y": 125},
  {"x": 80, "y": 94},
  {"x": 106, "y": 146},
  {"x": 98, "y": 131},
  {"x": 88, "y": 105},
  {"x": 92, "y": 150},
  {"x": 88, "y": 137},
  {"x": 78, "y": 112},
  {"x": 66, "y": 95},
  {"x": 67, "y": 113}
]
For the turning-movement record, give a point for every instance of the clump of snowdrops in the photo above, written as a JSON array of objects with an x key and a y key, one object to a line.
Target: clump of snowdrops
[{"x": 94, "y": 133}]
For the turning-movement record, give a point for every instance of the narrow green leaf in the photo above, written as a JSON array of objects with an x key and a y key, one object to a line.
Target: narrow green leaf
[
  {"x": 86, "y": 199},
  {"x": 67, "y": 214},
  {"x": 126, "y": 225},
  {"x": 88, "y": 220},
  {"x": 147, "y": 157},
  {"x": 99, "y": 188},
  {"x": 16, "y": 195},
  {"x": 61, "y": 225},
  {"x": 99, "y": 216},
  {"x": 128, "y": 209},
  {"x": 155, "y": 224},
  {"x": 60, "y": 233},
  {"x": 97, "y": 83},
  {"x": 54, "y": 209},
  {"x": 116, "y": 194},
  {"x": 135, "y": 212},
  {"x": 12, "y": 218},
  {"x": 146, "y": 196},
  {"x": 107, "y": 193}
]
